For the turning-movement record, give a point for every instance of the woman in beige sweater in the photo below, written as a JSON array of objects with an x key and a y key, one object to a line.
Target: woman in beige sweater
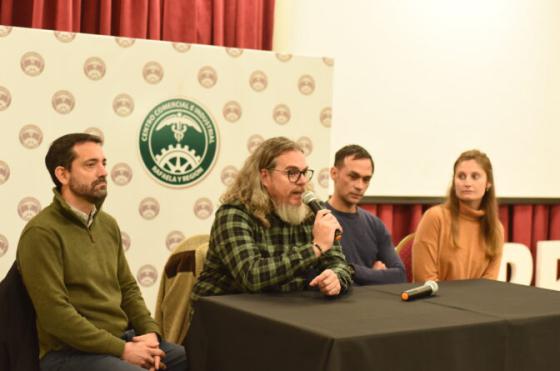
[{"x": 462, "y": 238}]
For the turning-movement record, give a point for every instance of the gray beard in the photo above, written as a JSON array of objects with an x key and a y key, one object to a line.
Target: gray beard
[{"x": 290, "y": 214}]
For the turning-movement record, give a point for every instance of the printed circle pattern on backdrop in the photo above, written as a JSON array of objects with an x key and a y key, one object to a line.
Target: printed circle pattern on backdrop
[
  {"x": 61, "y": 82},
  {"x": 94, "y": 68},
  {"x": 28, "y": 207},
  {"x": 4, "y": 172},
  {"x": 121, "y": 174},
  {"x": 3, "y": 245},
  {"x": 232, "y": 111},
  {"x": 31, "y": 136},
  {"x": 63, "y": 102},
  {"x": 126, "y": 241},
  {"x": 5, "y": 98},
  {"x": 173, "y": 239},
  {"x": 32, "y": 64}
]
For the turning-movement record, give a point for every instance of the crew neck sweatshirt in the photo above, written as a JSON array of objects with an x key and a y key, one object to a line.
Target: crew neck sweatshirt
[{"x": 365, "y": 240}]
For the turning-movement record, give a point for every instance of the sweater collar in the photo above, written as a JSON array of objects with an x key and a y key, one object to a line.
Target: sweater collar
[
  {"x": 86, "y": 218},
  {"x": 342, "y": 213},
  {"x": 470, "y": 213},
  {"x": 66, "y": 208}
]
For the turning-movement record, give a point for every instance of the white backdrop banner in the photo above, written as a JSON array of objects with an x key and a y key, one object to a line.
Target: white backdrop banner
[{"x": 178, "y": 121}]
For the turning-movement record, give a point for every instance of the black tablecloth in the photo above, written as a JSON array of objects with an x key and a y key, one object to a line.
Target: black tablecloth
[{"x": 468, "y": 325}]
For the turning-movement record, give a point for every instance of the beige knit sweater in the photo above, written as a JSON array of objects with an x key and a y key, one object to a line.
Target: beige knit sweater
[{"x": 433, "y": 257}]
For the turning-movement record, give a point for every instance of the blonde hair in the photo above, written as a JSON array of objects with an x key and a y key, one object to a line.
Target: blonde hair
[
  {"x": 247, "y": 187},
  {"x": 490, "y": 231}
]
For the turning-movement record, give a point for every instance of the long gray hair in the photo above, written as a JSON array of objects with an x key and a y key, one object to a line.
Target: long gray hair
[{"x": 247, "y": 187}]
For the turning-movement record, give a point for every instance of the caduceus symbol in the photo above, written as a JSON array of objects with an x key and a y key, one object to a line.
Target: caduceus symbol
[
  {"x": 179, "y": 125},
  {"x": 178, "y": 131}
]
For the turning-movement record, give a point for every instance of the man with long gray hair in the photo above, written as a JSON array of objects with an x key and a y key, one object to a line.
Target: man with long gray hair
[{"x": 264, "y": 238}]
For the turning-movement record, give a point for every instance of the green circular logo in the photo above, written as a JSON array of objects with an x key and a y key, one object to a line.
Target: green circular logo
[{"x": 178, "y": 142}]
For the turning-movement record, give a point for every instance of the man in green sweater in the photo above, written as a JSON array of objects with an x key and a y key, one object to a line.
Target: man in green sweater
[{"x": 90, "y": 312}]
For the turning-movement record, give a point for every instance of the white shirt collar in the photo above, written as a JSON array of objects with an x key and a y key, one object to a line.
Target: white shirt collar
[{"x": 86, "y": 218}]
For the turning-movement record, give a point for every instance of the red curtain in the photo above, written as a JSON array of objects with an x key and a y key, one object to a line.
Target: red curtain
[
  {"x": 231, "y": 23},
  {"x": 524, "y": 224}
]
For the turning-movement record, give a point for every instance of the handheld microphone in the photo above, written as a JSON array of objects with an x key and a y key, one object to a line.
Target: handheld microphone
[
  {"x": 429, "y": 288},
  {"x": 316, "y": 205}
]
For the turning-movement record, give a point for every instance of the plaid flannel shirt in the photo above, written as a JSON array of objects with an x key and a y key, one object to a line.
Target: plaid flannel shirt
[{"x": 245, "y": 256}]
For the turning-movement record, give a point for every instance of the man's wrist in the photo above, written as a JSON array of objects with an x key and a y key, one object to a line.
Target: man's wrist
[{"x": 319, "y": 249}]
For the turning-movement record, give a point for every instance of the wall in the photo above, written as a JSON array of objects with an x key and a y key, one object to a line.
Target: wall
[
  {"x": 178, "y": 121},
  {"x": 418, "y": 82}
]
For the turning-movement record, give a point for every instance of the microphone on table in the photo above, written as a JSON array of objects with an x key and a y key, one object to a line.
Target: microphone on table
[
  {"x": 316, "y": 205},
  {"x": 429, "y": 288}
]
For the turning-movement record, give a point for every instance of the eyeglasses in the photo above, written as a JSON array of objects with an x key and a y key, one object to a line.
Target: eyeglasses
[{"x": 294, "y": 174}]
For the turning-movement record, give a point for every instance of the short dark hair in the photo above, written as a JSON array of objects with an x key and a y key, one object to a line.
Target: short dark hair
[
  {"x": 352, "y": 150},
  {"x": 61, "y": 152}
]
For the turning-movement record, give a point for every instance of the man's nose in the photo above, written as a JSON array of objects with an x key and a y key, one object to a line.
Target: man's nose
[
  {"x": 102, "y": 170},
  {"x": 360, "y": 184},
  {"x": 302, "y": 180}
]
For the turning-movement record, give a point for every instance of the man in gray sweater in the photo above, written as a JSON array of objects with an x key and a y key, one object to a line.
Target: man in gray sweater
[{"x": 366, "y": 243}]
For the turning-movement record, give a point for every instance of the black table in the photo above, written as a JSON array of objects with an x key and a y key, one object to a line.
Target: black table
[{"x": 469, "y": 325}]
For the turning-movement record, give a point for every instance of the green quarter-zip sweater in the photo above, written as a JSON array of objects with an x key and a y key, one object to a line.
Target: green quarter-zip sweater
[{"x": 79, "y": 281}]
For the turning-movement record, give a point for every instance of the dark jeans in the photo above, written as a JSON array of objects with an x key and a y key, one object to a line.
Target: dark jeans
[{"x": 73, "y": 360}]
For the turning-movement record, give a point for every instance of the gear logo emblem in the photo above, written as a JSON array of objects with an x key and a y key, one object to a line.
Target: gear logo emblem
[
  {"x": 124, "y": 42},
  {"x": 94, "y": 68},
  {"x": 326, "y": 117},
  {"x": 234, "y": 52},
  {"x": 229, "y": 173},
  {"x": 5, "y": 30},
  {"x": 173, "y": 239},
  {"x": 5, "y": 98},
  {"x": 283, "y": 57},
  {"x": 254, "y": 142},
  {"x": 4, "y": 172},
  {"x": 121, "y": 174},
  {"x": 178, "y": 142},
  {"x": 281, "y": 114},
  {"x": 323, "y": 178},
  {"x": 328, "y": 61},
  {"x": 30, "y": 136},
  {"x": 32, "y": 64},
  {"x": 147, "y": 275},
  {"x": 207, "y": 77},
  {"x": 306, "y": 85},
  {"x": 95, "y": 131},
  {"x": 232, "y": 111},
  {"x": 3, "y": 244},
  {"x": 125, "y": 241},
  {"x": 64, "y": 37},
  {"x": 306, "y": 144},
  {"x": 203, "y": 208},
  {"x": 63, "y": 102},
  {"x": 149, "y": 208},
  {"x": 28, "y": 207},
  {"x": 258, "y": 81},
  {"x": 181, "y": 47},
  {"x": 152, "y": 72}
]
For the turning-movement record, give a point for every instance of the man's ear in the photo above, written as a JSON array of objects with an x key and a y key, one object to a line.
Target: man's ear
[
  {"x": 333, "y": 172},
  {"x": 265, "y": 177},
  {"x": 62, "y": 174}
]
